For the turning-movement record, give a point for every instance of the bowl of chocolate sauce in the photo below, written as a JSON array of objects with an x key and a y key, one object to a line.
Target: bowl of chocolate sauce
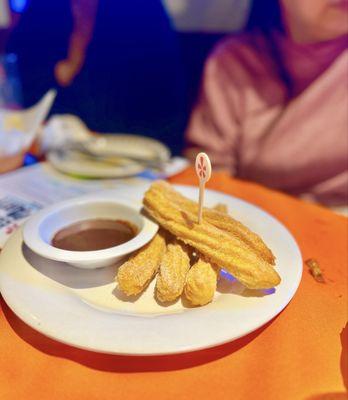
[
  {"x": 94, "y": 234},
  {"x": 90, "y": 232}
]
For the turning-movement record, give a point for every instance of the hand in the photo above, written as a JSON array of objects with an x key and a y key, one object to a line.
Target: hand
[
  {"x": 65, "y": 71},
  {"x": 84, "y": 14}
]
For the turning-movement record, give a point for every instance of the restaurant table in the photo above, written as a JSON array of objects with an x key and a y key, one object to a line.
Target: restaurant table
[{"x": 300, "y": 354}]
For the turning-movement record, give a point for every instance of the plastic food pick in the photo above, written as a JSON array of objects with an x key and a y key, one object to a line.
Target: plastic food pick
[{"x": 203, "y": 171}]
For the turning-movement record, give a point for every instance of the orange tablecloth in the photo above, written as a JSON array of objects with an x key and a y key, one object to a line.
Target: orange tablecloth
[{"x": 298, "y": 355}]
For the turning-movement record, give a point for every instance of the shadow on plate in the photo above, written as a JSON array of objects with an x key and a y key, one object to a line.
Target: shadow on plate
[
  {"x": 124, "y": 364},
  {"x": 123, "y": 297},
  {"x": 67, "y": 275}
]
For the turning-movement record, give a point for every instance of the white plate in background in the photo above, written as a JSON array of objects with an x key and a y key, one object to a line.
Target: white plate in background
[{"x": 73, "y": 163}]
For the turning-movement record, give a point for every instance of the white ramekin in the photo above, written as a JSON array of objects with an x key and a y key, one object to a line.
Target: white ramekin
[{"x": 39, "y": 230}]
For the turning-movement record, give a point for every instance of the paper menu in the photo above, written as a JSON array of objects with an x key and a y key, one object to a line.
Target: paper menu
[{"x": 27, "y": 190}]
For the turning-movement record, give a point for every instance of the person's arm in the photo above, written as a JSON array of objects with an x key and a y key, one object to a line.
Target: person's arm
[
  {"x": 215, "y": 126},
  {"x": 84, "y": 15}
]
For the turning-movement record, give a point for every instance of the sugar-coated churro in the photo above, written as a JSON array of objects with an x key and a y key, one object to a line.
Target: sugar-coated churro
[
  {"x": 215, "y": 244},
  {"x": 136, "y": 273},
  {"x": 201, "y": 283},
  {"x": 202, "y": 277},
  {"x": 172, "y": 273},
  {"x": 218, "y": 219}
]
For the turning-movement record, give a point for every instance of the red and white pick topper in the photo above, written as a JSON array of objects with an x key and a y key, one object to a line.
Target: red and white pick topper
[{"x": 203, "y": 171}]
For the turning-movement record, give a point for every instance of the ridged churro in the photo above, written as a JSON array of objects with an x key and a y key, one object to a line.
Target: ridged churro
[
  {"x": 136, "y": 273},
  {"x": 201, "y": 283},
  {"x": 172, "y": 273},
  {"x": 215, "y": 244},
  {"x": 218, "y": 219},
  {"x": 201, "y": 280}
]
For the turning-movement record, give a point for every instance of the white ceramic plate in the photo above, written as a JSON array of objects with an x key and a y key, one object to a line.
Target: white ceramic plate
[
  {"x": 83, "y": 308},
  {"x": 138, "y": 146}
]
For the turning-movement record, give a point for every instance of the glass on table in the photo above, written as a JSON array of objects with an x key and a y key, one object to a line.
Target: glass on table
[
  {"x": 10, "y": 86},
  {"x": 11, "y": 149}
]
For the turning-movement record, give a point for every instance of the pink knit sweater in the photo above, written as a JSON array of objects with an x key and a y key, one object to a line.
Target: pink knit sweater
[{"x": 244, "y": 121}]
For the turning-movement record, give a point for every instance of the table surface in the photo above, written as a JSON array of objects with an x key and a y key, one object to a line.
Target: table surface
[{"x": 300, "y": 354}]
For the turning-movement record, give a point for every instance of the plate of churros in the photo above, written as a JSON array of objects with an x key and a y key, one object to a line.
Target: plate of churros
[{"x": 192, "y": 286}]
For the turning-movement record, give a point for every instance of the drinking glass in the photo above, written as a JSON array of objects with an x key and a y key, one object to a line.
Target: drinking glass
[{"x": 10, "y": 86}]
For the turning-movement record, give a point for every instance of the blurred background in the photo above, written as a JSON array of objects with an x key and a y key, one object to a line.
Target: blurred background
[
  {"x": 254, "y": 83},
  {"x": 137, "y": 64}
]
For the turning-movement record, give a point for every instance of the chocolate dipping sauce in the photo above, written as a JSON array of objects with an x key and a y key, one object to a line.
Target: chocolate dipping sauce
[{"x": 94, "y": 234}]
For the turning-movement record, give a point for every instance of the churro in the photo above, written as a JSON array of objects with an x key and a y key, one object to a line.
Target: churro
[
  {"x": 172, "y": 273},
  {"x": 202, "y": 277},
  {"x": 201, "y": 283},
  {"x": 218, "y": 219},
  {"x": 217, "y": 246},
  {"x": 136, "y": 273}
]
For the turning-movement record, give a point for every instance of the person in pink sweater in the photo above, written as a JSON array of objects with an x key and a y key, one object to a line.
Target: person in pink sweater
[{"x": 273, "y": 106}]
